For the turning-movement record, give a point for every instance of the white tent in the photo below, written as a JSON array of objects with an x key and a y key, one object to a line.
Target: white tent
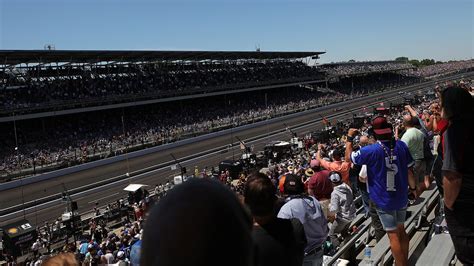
[{"x": 134, "y": 187}]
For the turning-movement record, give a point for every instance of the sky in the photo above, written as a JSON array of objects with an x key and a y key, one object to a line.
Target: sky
[{"x": 358, "y": 29}]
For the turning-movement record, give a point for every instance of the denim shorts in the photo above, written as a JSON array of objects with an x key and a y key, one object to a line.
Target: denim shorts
[{"x": 390, "y": 219}]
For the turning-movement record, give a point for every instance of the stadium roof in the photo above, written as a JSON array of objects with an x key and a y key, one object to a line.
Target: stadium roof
[{"x": 15, "y": 57}]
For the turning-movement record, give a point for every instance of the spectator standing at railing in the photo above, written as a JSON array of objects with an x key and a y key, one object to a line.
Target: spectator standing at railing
[
  {"x": 337, "y": 163},
  {"x": 428, "y": 157},
  {"x": 364, "y": 191},
  {"x": 458, "y": 170},
  {"x": 414, "y": 139},
  {"x": 341, "y": 208},
  {"x": 439, "y": 126},
  {"x": 389, "y": 172},
  {"x": 320, "y": 187}
]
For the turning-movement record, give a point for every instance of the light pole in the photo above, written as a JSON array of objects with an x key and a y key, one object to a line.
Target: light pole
[
  {"x": 231, "y": 146},
  {"x": 268, "y": 115},
  {"x": 19, "y": 166},
  {"x": 70, "y": 208},
  {"x": 126, "y": 149}
]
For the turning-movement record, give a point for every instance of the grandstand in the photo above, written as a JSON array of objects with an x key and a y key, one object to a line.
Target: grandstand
[
  {"x": 48, "y": 89},
  {"x": 39, "y": 81}
]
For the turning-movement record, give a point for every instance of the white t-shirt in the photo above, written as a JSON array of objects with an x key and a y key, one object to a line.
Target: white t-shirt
[{"x": 109, "y": 257}]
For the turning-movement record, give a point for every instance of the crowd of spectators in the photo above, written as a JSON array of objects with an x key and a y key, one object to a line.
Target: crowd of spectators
[
  {"x": 70, "y": 140},
  {"x": 442, "y": 68},
  {"x": 100, "y": 239},
  {"x": 67, "y": 84},
  {"x": 291, "y": 210},
  {"x": 351, "y": 68},
  {"x": 101, "y": 246},
  {"x": 42, "y": 86},
  {"x": 438, "y": 69}
]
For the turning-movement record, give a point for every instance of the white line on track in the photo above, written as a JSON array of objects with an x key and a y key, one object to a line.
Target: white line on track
[{"x": 48, "y": 204}]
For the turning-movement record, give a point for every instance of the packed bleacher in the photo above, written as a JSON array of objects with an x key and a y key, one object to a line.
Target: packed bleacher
[
  {"x": 443, "y": 68},
  {"x": 434, "y": 70},
  {"x": 50, "y": 86},
  {"x": 319, "y": 175},
  {"x": 62, "y": 143},
  {"x": 352, "y": 68},
  {"x": 46, "y": 87}
]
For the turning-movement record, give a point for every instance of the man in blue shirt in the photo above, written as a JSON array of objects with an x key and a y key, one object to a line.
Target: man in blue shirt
[{"x": 389, "y": 174}]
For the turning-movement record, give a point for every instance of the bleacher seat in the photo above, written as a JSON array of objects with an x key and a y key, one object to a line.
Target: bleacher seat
[{"x": 439, "y": 251}]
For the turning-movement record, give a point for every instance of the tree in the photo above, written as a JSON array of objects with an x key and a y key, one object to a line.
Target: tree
[
  {"x": 427, "y": 62},
  {"x": 402, "y": 59},
  {"x": 415, "y": 62}
]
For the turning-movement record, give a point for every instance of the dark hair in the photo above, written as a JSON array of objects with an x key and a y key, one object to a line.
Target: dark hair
[
  {"x": 457, "y": 104},
  {"x": 259, "y": 195},
  {"x": 293, "y": 185},
  {"x": 412, "y": 122},
  {"x": 200, "y": 222},
  {"x": 337, "y": 153},
  {"x": 383, "y": 136},
  {"x": 415, "y": 121}
]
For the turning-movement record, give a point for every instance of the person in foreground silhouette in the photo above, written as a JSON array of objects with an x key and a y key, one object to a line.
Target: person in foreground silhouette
[
  {"x": 279, "y": 241},
  {"x": 199, "y": 222}
]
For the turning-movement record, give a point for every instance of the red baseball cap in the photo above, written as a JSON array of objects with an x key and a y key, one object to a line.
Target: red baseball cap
[{"x": 381, "y": 126}]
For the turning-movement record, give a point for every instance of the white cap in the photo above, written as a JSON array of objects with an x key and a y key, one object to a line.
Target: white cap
[{"x": 335, "y": 177}]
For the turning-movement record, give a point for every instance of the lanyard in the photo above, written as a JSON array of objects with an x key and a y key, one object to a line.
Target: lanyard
[{"x": 390, "y": 156}]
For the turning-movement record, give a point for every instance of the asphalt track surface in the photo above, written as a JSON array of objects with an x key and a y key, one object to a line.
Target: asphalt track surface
[{"x": 152, "y": 169}]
